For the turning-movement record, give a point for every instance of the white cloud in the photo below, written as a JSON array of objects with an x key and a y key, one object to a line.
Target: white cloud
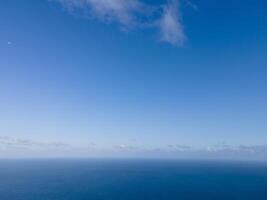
[
  {"x": 170, "y": 24},
  {"x": 180, "y": 147},
  {"x": 134, "y": 13},
  {"x": 18, "y": 147},
  {"x": 11, "y": 143},
  {"x": 121, "y": 11},
  {"x": 124, "y": 147}
]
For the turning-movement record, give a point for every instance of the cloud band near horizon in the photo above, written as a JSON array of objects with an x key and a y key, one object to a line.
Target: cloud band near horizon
[{"x": 18, "y": 147}]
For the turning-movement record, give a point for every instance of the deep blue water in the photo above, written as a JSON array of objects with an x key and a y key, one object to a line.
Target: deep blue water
[{"x": 131, "y": 180}]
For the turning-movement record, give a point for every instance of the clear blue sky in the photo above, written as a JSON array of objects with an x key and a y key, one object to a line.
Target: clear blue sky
[{"x": 83, "y": 79}]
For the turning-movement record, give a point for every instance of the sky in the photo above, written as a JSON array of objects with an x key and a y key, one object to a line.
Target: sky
[{"x": 137, "y": 78}]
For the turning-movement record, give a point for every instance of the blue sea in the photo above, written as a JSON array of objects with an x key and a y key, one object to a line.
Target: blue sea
[{"x": 132, "y": 180}]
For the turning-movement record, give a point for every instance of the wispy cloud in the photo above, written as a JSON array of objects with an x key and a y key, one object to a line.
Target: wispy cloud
[
  {"x": 125, "y": 148},
  {"x": 170, "y": 24},
  {"x": 121, "y": 11},
  {"x": 179, "y": 147},
  {"x": 244, "y": 149},
  {"x": 9, "y": 144},
  {"x": 17, "y": 147},
  {"x": 131, "y": 14}
]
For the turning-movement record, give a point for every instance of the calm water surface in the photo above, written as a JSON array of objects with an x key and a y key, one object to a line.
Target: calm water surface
[{"x": 131, "y": 180}]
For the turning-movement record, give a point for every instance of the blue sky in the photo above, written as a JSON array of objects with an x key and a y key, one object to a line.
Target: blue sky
[{"x": 142, "y": 76}]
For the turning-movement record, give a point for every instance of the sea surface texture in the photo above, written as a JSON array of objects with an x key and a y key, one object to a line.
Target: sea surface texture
[{"x": 131, "y": 180}]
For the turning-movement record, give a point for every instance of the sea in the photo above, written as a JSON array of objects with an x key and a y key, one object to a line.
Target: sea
[{"x": 131, "y": 179}]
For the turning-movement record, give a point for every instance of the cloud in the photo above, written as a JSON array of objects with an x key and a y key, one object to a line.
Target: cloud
[
  {"x": 17, "y": 147},
  {"x": 134, "y": 14},
  {"x": 124, "y": 147},
  {"x": 246, "y": 149},
  {"x": 11, "y": 144},
  {"x": 121, "y": 11},
  {"x": 179, "y": 147},
  {"x": 216, "y": 152},
  {"x": 170, "y": 24}
]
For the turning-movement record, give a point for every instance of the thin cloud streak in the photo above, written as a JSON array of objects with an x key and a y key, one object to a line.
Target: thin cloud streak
[
  {"x": 11, "y": 143},
  {"x": 131, "y": 14},
  {"x": 17, "y": 147}
]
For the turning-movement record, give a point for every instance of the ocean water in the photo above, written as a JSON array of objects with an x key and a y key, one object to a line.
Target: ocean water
[{"x": 131, "y": 180}]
